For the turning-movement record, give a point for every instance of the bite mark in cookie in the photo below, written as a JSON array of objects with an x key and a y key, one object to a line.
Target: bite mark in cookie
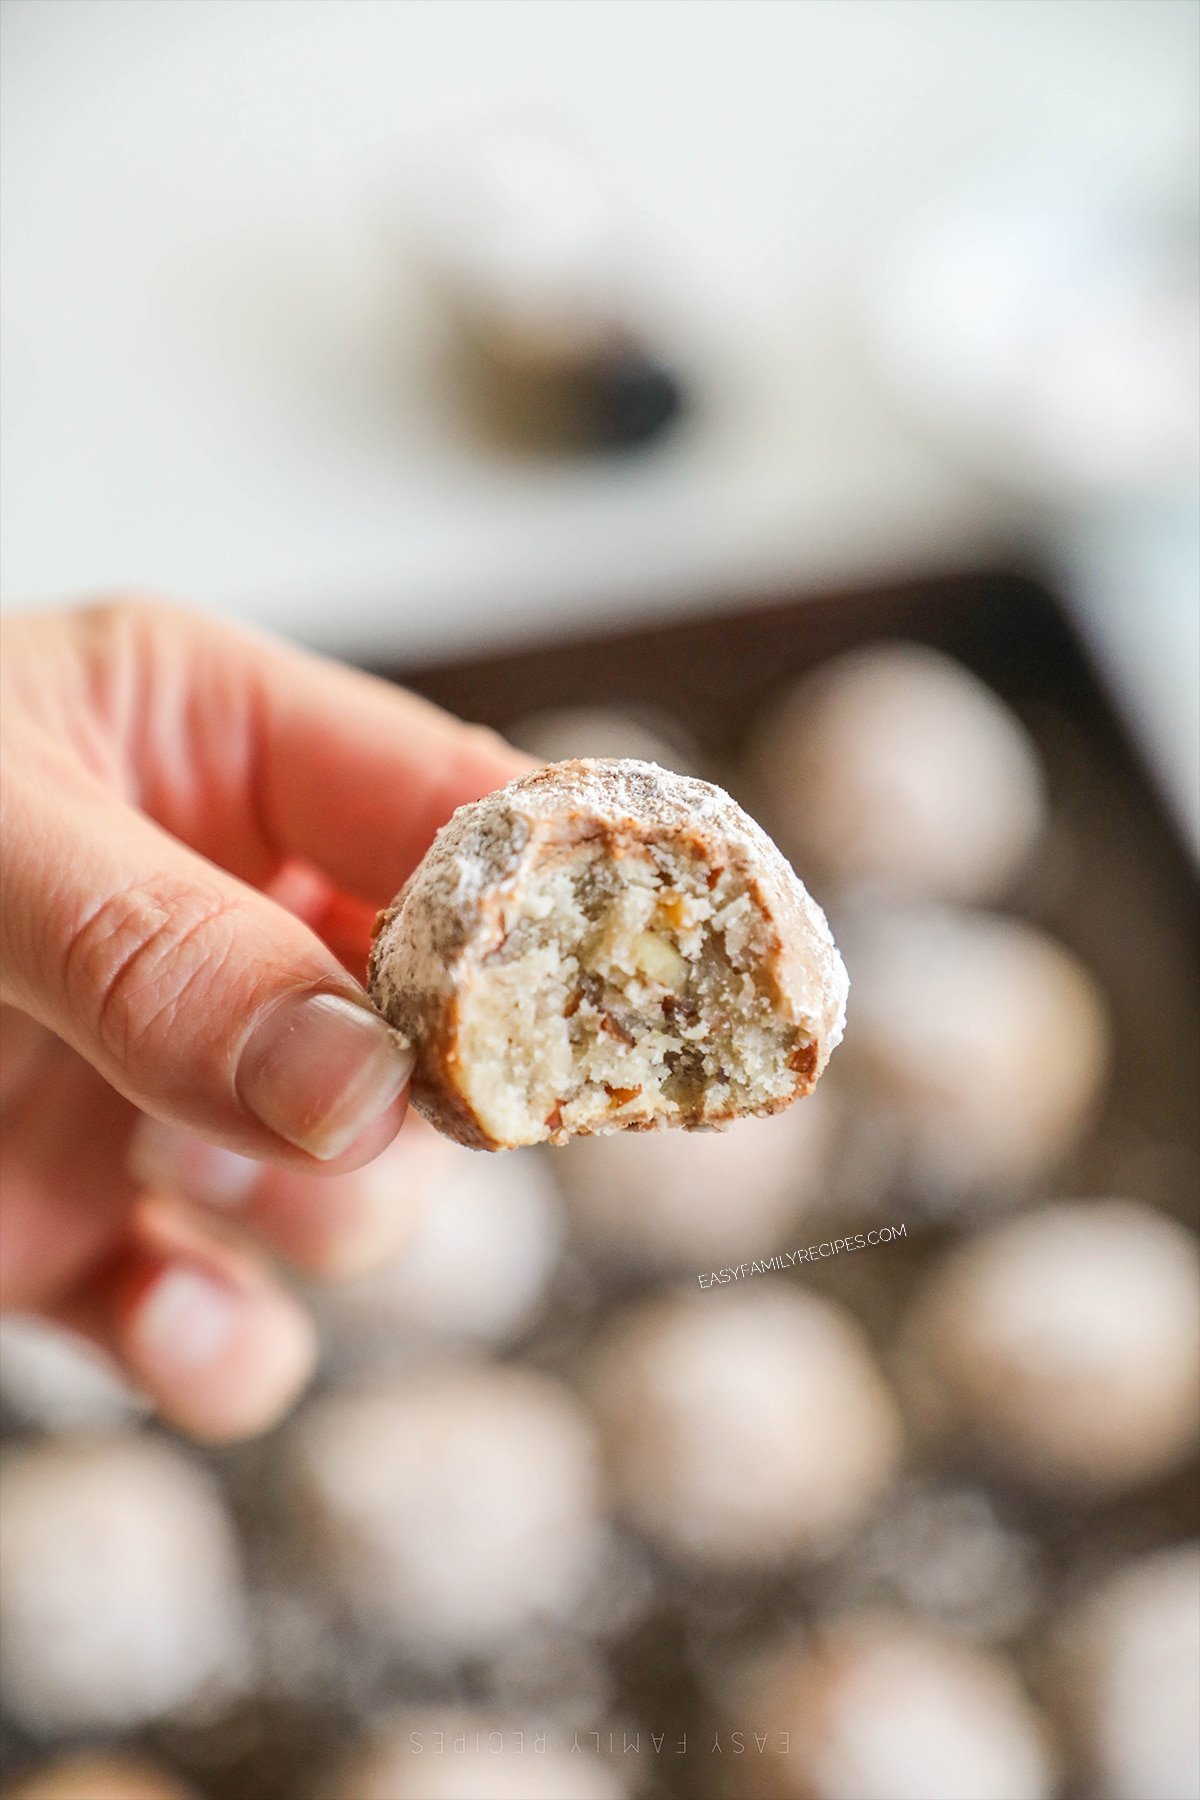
[{"x": 606, "y": 946}]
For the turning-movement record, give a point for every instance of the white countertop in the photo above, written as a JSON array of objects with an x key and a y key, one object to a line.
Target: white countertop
[{"x": 213, "y": 386}]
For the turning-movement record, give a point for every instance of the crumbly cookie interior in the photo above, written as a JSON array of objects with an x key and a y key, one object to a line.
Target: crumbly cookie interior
[{"x": 626, "y": 988}]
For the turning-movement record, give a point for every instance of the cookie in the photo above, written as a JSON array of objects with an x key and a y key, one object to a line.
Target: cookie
[
  {"x": 893, "y": 769},
  {"x": 604, "y": 946},
  {"x": 1062, "y": 1347},
  {"x": 881, "y": 1704}
]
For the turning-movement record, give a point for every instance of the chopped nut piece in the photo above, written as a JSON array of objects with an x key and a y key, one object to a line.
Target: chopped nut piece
[
  {"x": 655, "y": 957},
  {"x": 615, "y": 1029}
]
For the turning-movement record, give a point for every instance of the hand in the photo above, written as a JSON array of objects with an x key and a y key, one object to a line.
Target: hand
[{"x": 198, "y": 827}]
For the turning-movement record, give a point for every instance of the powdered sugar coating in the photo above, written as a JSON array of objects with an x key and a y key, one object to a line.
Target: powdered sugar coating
[
  {"x": 451, "y": 910},
  {"x": 120, "y": 1586},
  {"x": 1063, "y": 1345},
  {"x": 880, "y": 1705},
  {"x": 1125, "y": 1678}
]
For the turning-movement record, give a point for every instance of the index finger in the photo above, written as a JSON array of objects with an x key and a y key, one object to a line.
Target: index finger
[{"x": 254, "y": 752}]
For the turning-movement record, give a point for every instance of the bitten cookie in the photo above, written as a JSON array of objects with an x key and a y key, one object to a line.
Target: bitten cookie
[{"x": 604, "y": 946}]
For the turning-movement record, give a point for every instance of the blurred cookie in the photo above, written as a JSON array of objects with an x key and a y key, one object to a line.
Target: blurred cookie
[
  {"x": 695, "y": 1200},
  {"x": 451, "y": 1510},
  {"x": 120, "y": 1587},
  {"x": 979, "y": 1048},
  {"x": 1126, "y": 1681},
  {"x": 55, "y": 1379},
  {"x": 1063, "y": 1347},
  {"x": 562, "y": 733},
  {"x": 100, "y": 1777},
  {"x": 876, "y": 1707},
  {"x": 743, "y": 1429},
  {"x": 483, "y": 1248},
  {"x": 893, "y": 768}
]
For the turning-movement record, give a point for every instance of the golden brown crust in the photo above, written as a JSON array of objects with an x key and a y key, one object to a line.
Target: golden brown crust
[{"x": 450, "y": 913}]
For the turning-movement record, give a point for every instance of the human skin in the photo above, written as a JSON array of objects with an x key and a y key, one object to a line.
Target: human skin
[{"x": 198, "y": 826}]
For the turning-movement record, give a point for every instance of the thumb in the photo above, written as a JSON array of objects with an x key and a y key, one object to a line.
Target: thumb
[{"x": 201, "y": 1000}]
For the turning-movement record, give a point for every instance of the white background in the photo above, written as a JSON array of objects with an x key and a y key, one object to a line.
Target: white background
[{"x": 213, "y": 386}]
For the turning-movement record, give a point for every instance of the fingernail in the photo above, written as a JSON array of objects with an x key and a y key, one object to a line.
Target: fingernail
[
  {"x": 186, "y": 1321},
  {"x": 176, "y": 1161},
  {"x": 319, "y": 1069}
]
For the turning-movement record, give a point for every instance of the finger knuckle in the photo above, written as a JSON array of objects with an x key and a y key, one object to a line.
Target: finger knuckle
[
  {"x": 126, "y": 631},
  {"x": 138, "y": 956}
]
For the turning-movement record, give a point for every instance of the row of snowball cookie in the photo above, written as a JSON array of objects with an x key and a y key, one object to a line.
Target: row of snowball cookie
[
  {"x": 1059, "y": 1350},
  {"x": 1082, "y": 1283},
  {"x": 486, "y": 1236},
  {"x": 865, "y": 1707},
  {"x": 456, "y": 1503},
  {"x": 977, "y": 1054},
  {"x": 977, "y": 1060},
  {"x": 907, "y": 794},
  {"x": 495, "y": 1329},
  {"x": 880, "y": 1707}
]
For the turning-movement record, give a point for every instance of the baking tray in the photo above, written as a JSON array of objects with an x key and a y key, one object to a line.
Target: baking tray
[{"x": 1114, "y": 882}]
